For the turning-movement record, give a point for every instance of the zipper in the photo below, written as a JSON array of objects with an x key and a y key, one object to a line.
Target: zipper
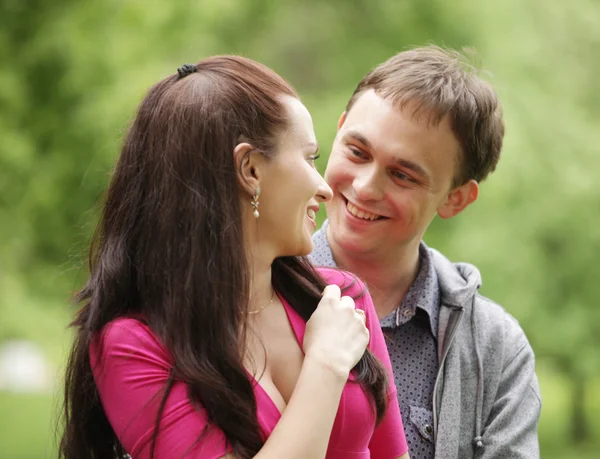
[{"x": 449, "y": 339}]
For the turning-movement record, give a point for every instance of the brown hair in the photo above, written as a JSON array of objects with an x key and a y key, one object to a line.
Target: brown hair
[
  {"x": 168, "y": 249},
  {"x": 438, "y": 83}
]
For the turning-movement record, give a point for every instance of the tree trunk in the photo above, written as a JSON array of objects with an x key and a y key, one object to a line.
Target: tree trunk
[{"x": 579, "y": 425}]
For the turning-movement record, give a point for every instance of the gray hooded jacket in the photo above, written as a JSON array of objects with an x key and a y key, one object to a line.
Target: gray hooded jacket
[{"x": 486, "y": 398}]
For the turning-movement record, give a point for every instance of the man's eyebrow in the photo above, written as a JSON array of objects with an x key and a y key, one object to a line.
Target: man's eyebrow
[
  {"x": 417, "y": 168},
  {"x": 413, "y": 167},
  {"x": 358, "y": 136}
]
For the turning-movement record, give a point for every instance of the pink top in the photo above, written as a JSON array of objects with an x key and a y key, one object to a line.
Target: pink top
[{"x": 134, "y": 368}]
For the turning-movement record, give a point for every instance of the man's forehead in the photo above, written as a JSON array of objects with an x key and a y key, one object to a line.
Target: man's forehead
[
  {"x": 370, "y": 103},
  {"x": 377, "y": 124}
]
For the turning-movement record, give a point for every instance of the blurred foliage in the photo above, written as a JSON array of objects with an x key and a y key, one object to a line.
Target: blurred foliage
[{"x": 73, "y": 73}]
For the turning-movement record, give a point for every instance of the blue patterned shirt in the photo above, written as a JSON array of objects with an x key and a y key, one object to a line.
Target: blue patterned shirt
[{"x": 411, "y": 336}]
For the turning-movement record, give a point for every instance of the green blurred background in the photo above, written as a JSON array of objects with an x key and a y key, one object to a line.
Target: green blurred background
[{"x": 73, "y": 73}]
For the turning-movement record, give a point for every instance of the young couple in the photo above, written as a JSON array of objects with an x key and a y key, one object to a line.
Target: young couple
[{"x": 205, "y": 332}]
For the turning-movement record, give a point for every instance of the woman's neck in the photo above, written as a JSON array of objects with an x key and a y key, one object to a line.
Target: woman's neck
[{"x": 261, "y": 288}]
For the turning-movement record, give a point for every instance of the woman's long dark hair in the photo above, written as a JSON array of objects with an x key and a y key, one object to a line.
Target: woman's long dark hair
[{"x": 169, "y": 247}]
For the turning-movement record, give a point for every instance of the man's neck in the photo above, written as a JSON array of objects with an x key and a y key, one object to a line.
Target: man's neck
[{"x": 388, "y": 277}]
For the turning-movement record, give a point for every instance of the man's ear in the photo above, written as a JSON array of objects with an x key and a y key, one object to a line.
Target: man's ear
[
  {"x": 248, "y": 162},
  {"x": 341, "y": 120},
  {"x": 459, "y": 199}
]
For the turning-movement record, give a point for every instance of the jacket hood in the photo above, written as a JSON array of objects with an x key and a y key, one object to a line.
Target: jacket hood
[{"x": 458, "y": 282}]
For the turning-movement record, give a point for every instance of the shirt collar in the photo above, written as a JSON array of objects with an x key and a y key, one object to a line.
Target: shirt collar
[{"x": 424, "y": 293}]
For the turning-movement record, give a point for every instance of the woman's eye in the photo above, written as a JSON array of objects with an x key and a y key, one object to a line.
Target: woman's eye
[{"x": 311, "y": 159}]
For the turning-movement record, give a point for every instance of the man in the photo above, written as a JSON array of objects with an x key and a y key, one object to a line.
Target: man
[{"x": 419, "y": 134}]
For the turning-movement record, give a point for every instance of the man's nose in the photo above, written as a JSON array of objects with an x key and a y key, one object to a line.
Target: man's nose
[{"x": 368, "y": 185}]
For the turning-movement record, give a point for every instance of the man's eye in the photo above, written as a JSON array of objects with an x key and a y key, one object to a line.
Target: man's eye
[
  {"x": 357, "y": 153},
  {"x": 401, "y": 176}
]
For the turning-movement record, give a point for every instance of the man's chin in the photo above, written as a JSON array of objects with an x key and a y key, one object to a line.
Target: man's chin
[{"x": 348, "y": 241}]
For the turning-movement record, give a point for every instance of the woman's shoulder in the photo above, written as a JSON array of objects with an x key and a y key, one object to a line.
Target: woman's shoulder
[
  {"x": 125, "y": 328},
  {"x": 127, "y": 336},
  {"x": 351, "y": 285},
  {"x": 348, "y": 282}
]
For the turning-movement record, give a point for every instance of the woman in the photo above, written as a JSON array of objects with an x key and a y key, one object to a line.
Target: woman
[{"x": 203, "y": 333}]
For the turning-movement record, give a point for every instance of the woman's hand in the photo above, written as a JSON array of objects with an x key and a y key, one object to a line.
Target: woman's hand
[{"x": 336, "y": 334}]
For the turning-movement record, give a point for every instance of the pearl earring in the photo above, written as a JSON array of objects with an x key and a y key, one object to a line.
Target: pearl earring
[{"x": 254, "y": 202}]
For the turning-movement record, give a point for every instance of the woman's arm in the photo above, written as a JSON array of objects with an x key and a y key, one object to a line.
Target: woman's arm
[
  {"x": 305, "y": 425},
  {"x": 335, "y": 339}
]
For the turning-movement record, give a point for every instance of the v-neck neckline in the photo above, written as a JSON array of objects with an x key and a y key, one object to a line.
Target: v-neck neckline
[{"x": 274, "y": 414}]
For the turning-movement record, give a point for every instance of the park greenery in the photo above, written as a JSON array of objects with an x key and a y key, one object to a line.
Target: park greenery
[{"x": 73, "y": 73}]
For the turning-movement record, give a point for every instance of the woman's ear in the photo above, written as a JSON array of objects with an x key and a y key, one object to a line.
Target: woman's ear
[{"x": 248, "y": 161}]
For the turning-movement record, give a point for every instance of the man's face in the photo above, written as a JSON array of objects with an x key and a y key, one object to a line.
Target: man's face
[{"x": 390, "y": 174}]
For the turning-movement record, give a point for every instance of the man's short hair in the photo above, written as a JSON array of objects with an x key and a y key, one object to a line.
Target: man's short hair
[{"x": 437, "y": 82}]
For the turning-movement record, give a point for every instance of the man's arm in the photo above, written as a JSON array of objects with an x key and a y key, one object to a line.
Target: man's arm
[{"x": 510, "y": 430}]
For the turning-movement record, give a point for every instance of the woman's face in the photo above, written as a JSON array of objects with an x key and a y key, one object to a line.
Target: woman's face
[{"x": 291, "y": 187}]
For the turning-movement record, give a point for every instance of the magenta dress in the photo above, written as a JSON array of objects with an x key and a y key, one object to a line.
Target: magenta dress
[{"x": 134, "y": 367}]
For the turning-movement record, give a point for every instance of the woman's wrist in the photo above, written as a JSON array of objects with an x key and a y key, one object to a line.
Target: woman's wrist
[{"x": 317, "y": 362}]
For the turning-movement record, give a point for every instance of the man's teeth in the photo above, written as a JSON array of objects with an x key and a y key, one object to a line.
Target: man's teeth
[
  {"x": 361, "y": 214},
  {"x": 311, "y": 214}
]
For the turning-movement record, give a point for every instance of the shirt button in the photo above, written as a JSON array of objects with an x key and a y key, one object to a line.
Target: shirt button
[
  {"x": 406, "y": 312},
  {"x": 428, "y": 429}
]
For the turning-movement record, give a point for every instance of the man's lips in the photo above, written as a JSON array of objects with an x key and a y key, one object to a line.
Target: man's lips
[{"x": 361, "y": 213}]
